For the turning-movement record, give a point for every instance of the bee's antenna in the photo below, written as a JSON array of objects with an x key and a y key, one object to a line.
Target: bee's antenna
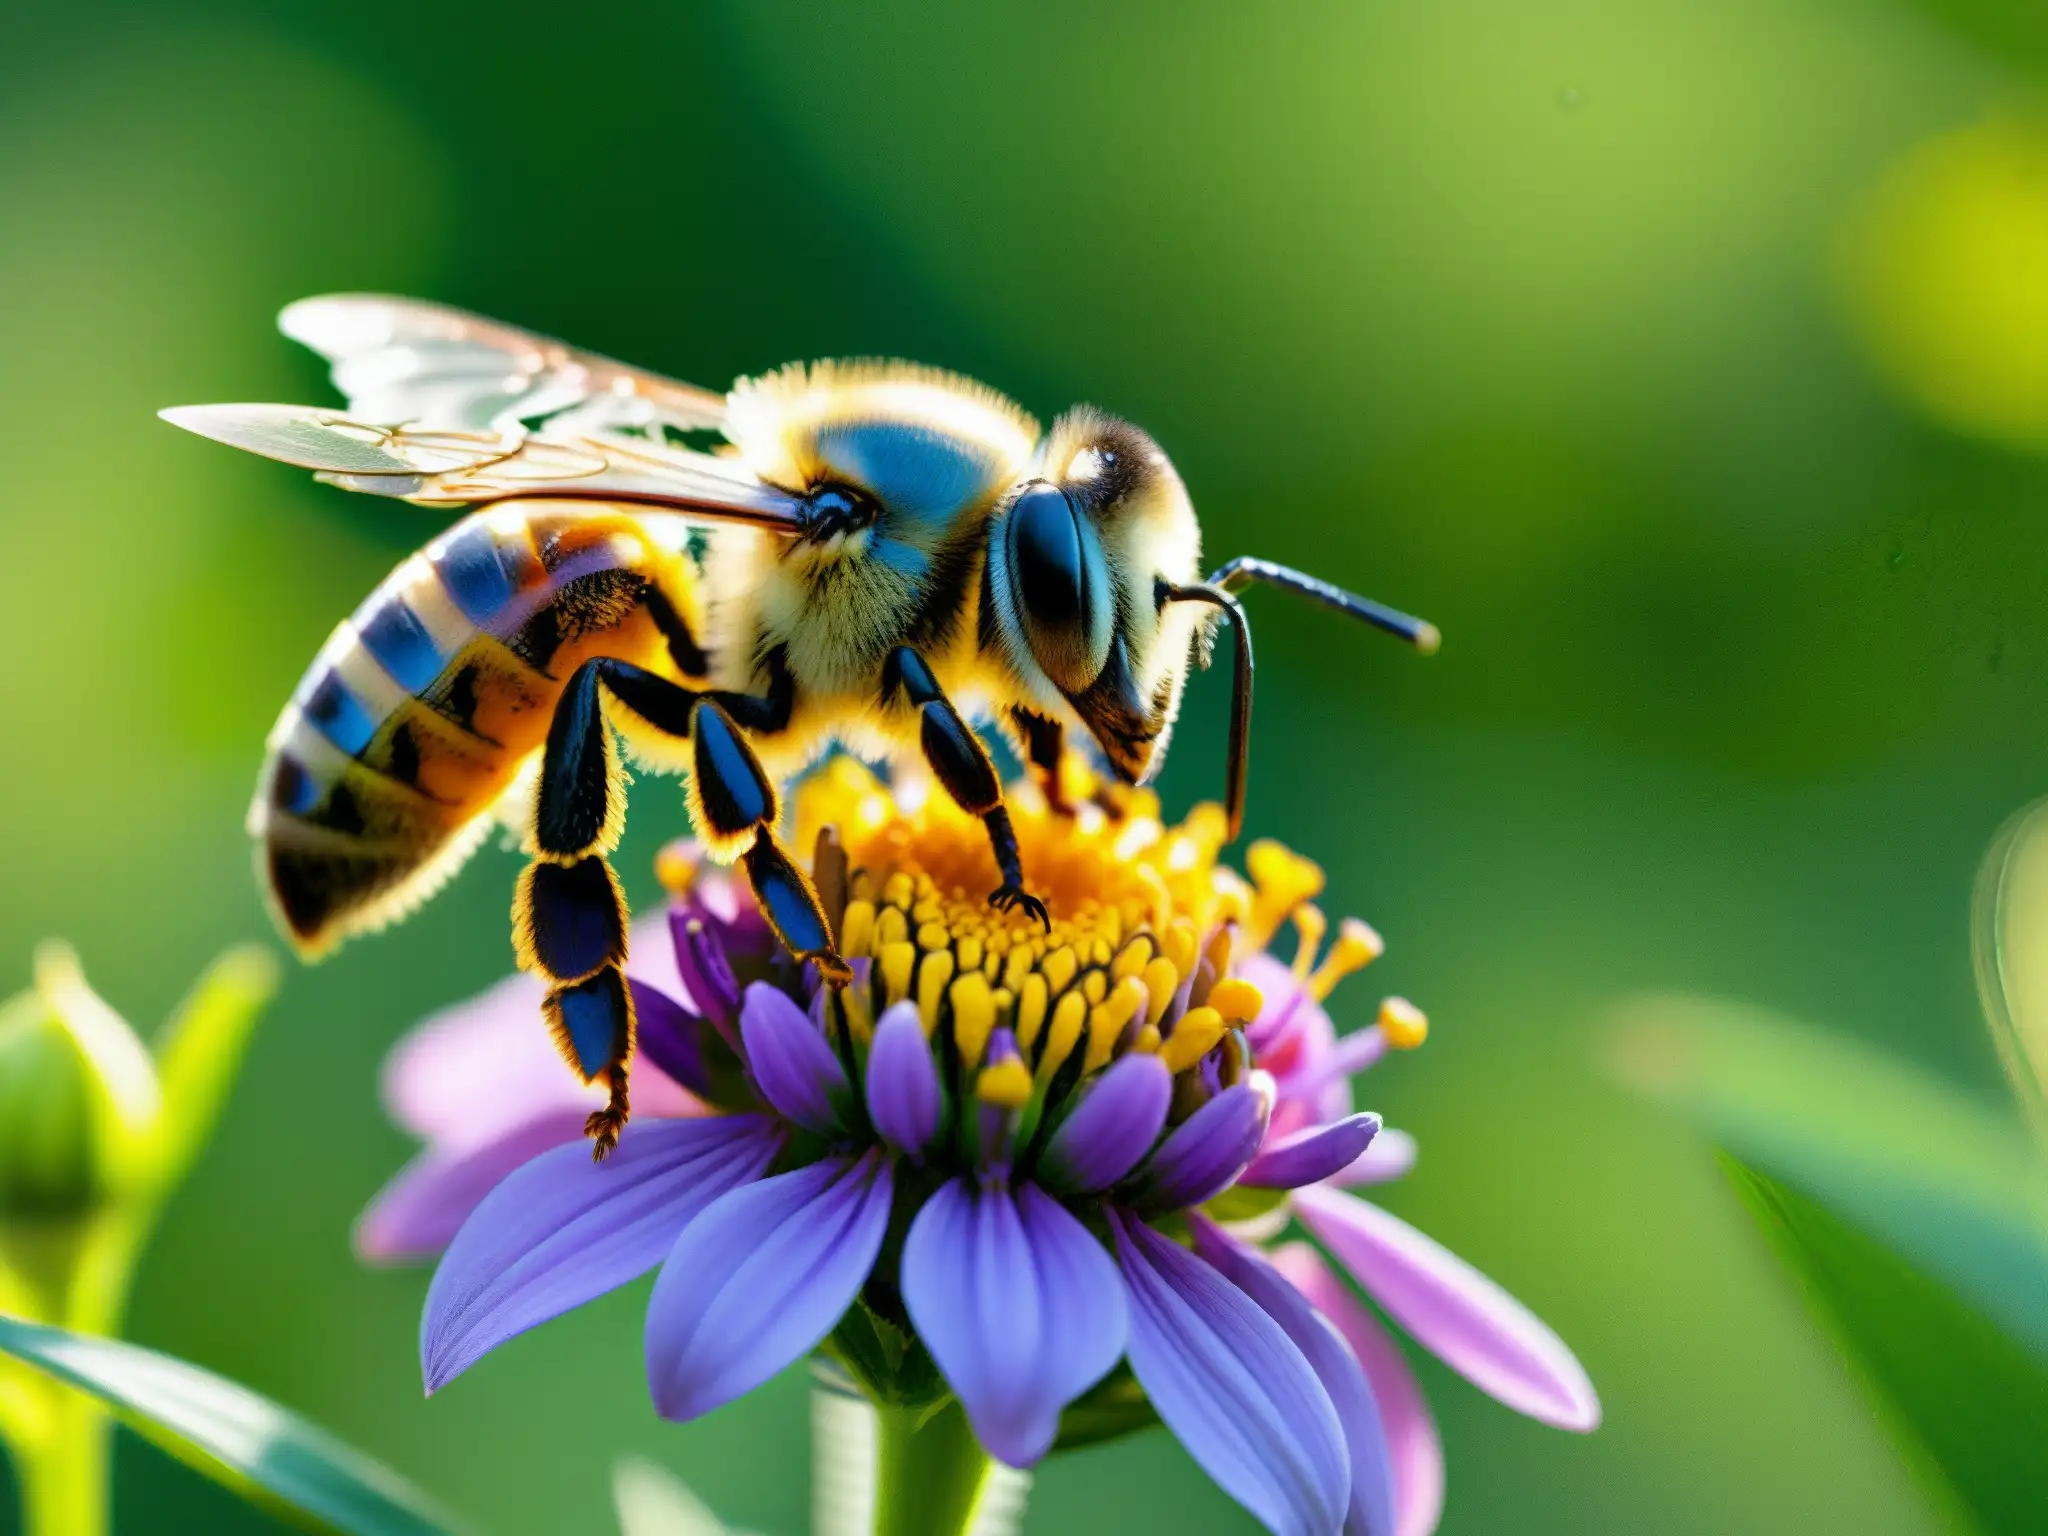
[
  {"x": 1241, "y": 573},
  {"x": 1239, "y": 760},
  {"x": 1246, "y": 569}
]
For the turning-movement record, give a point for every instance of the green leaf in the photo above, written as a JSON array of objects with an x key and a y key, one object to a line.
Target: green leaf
[
  {"x": 201, "y": 1049},
  {"x": 240, "y": 1440},
  {"x": 1968, "y": 1404},
  {"x": 1951, "y": 1184}
]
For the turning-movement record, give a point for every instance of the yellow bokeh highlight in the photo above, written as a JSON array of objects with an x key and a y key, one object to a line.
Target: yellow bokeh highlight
[{"x": 1945, "y": 270}]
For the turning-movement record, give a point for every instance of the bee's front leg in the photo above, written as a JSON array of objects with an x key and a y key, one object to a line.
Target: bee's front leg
[
  {"x": 962, "y": 764},
  {"x": 1045, "y": 743}
]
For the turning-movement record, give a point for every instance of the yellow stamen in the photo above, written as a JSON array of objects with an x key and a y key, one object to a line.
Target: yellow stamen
[
  {"x": 1404, "y": 1025},
  {"x": 1059, "y": 968},
  {"x": 1236, "y": 999},
  {"x": 1309, "y": 925},
  {"x": 1107, "y": 1019},
  {"x": 1357, "y": 946},
  {"x": 891, "y": 927},
  {"x": 896, "y": 891},
  {"x": 857, "y": 929},
  {"x": 897, "y": 961},
  {"x": 968, "y": 951},
  {"x": 1147, "y": 1043},
  {"x": 1284, "y": 880},
  {"x": 1032, "y": 1001},
  {"x": 1068, "y": 1015},
  {"x": 1194, "y": 1037},
  {"x": 676, "y": 868},
  {"x": 1180, "y": 945},
  {"x": 1132, "y": 958},
  {"x": 1007, "y": 1084},
  {"x": 1161, "y": 982},
  {"x": 932, "y": 977},
  {"x": 974, "y": 1015}
]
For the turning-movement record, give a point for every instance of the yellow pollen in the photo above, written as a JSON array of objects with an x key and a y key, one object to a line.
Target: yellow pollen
[
  {"x": 897, "y": 961},
  {"x": 857, "y": 929},
  {"x": 1007, "y": 1084},
  {"x": 1357, "y": 946},
  {"x": 1194, "y": 1037},
  {"x": 932, "y": 977},
  {"x": 974, "y": 1015},
  {"x": 1237, "y": 1000},
  {"x": 1404, "y": 1025},
  {"x": 1309, "y": 925}
]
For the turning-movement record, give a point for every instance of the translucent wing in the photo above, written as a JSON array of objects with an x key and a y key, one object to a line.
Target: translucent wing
[
  {"x": 402, "y": 361},
  {"x": 447, "y": 407},
  {"x": 2009, "y": 937}
]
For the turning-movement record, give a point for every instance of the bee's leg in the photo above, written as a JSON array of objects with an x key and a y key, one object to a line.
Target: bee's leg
[
  {"x": 1044, "y": 744},
  {"x": 962, "y": 765},
  {"x": 732, "y": 800},
  {"x": 569, "y": 910}
]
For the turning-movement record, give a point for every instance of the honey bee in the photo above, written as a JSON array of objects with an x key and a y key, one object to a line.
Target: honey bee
[{"x": 874, "y": 554}]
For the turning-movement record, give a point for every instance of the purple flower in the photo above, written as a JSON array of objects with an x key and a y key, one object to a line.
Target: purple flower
[{"x": 1004, "y": 1165}]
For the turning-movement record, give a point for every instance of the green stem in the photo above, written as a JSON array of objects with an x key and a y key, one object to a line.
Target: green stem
[
  {"x": 929, "y": 1472},
  {"x": 63, "y": 1468}
]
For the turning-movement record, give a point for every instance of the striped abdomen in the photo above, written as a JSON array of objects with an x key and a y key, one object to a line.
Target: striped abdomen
[{"x": 425, "y": 705}]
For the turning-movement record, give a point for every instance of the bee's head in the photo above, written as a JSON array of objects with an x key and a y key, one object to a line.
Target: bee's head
[{"x": 1077, "y": 558}]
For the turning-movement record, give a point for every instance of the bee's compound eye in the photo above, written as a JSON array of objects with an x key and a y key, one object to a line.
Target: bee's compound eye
[{"x": 1060, "y": 584}]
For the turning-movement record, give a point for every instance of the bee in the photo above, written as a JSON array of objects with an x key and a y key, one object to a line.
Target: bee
[{"x": 869, "y": 553}]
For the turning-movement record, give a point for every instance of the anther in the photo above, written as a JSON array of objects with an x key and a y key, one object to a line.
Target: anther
[
  {"x": 1194, "y": 1037},
  {"x": 1237, "y": 1000},
  {"x": 1106, "y": 1022},
  {"x": 974, "y": 1015},
  {"x": 1006, "y": 1083},
  {"x": 1062, "y": 1035},
  {"x": 675, "y": 866},
  {"x": 897, "y": 961},
  {"x": 1404, "y": 1025},
  {"x": 1058, "y": 968},
  {"x": 1161, "y": 982},
  {"x": 1181, "y": 945},
  {"x": 932, "y": 976},
  {"x": 968, "y": 951},
  {"x": 857, "y": 929},
  {"x": 1032, "y": 1002},
  {"x": 891, "y": 927},
  {"x": 1356, "y": 946}
]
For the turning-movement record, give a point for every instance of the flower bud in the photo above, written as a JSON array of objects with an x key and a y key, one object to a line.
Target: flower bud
[{"x": 78, "y": 1093}]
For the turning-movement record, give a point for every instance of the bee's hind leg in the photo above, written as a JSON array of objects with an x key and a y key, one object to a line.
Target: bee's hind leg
[
  {"x": 962, "y": 764},
  {"x": 733, "y": 801},
  {"x": 569, "y": 910}
]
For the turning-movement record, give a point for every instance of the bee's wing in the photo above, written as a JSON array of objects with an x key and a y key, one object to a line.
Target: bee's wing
[
  {"x": 400, "y": 360},
  {"x": 2009, "y": 940},
  {"x": 447, "y": 407}
]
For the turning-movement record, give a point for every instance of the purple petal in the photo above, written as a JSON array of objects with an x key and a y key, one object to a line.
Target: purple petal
[
  {"x": 1115, "y": 1123},
  {"x": 796, "y": 1071},
  {"x": 562, "y": 1230},
  {"x": 1232, "y": 1386},
  {"x": 1414, "y": 1448},
  {"x": 1391, "y": 1155},
  {"x": 758, "y": 1279},
  {"x": 1372, "y": 1488},
  {"x": 1019, "y": 1306},
  {"x": 902, "y": 1081},
  {"x": 703, "y": 966},
  {"x": 683, "y": 1044},
  {"x": 1459, "y": 1315},
  {"x": 1312, "y": 1155},
  {"x": 417, "y": 1214},
  {"x": 1205, "y": 1152}
]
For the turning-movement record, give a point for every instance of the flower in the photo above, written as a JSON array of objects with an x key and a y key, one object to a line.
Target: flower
[
  {"x": 1462, "y": 1317},
  {"x": 1005, "y": 1166}
]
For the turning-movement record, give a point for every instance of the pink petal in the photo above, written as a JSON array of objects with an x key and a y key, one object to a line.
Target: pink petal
[
  {"x": 1414, "y": 1448},
  {"x": 1459, "y": 1315},
  {"x": 474, "y": 1069}
]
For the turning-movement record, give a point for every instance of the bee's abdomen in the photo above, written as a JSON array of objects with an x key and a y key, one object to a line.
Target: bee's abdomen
[{"x": 423, "y": 707}]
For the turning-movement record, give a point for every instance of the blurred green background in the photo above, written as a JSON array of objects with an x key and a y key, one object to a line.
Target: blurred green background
[{"x": 1685, "y": 360}]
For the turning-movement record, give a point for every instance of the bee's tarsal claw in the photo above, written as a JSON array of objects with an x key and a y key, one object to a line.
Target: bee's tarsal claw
[{"x": 1008, "y": 898}]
